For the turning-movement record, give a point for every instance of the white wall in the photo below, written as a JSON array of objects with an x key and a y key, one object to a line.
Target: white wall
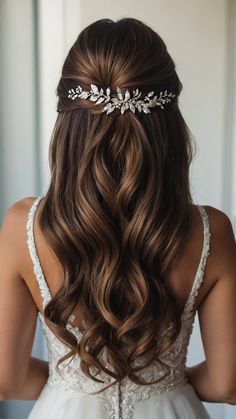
[
  {"x": 19, "y": 162},
  {"x": 17, "y": 112}
]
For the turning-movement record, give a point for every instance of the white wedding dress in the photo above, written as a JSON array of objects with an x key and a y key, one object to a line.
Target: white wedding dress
[{"x": 67, "y": 393}]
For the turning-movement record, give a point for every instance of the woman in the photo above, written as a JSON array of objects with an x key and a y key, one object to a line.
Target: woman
[{"x": 115, "y": 258}]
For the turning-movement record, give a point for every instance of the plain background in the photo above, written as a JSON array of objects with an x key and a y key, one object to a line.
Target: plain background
[{"x": 34, "y": 39}]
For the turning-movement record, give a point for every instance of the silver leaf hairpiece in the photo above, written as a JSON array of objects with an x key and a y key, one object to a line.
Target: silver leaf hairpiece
[{"x": 122, "y": 101}]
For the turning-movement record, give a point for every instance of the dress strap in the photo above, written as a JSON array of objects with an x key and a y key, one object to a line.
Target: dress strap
[
  {"x": 44, "y": 290},
  {"x": 189, "y": 305}
]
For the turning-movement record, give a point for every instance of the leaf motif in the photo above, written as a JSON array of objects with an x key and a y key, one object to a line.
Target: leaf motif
[
  {"x": 93, "y": 98},
  {"x": 108, "y": 105},
  {"x": 122, "y": 101},
  {"x": 100, "y": 100},
  {"x": 132, "y": 107},
  {"x": 94, "y": 88},
  {"x": 84, "y": 95},
  {"x": 115, "y": 100},
  {"x": 127, "y": 95},
  {"x": 119, "y": 94},
  {"x": 123, "y": 108},
  {"x": 71, "y": 94},
  {"x": 152, "y": 103},
  {"x": 110, "y": 109}
]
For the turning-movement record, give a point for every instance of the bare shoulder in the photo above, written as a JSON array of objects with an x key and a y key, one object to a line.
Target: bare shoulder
[
  {"x": 13, "y": 235},
  {"x": 16, "y": 215},
  {"x": 223, "y": 246},
  {"x": 221, "y": 228},
  {"x": 220, "y": 224},
  {"x": 218, "y": 219}
]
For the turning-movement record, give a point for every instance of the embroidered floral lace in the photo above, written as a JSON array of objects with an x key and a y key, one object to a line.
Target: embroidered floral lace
[{"x": 118, "y": 399}]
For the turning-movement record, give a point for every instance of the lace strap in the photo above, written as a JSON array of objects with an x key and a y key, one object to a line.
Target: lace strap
[
  {"x": 188, "y": 308},
  {"x": 43, "y": 287}
]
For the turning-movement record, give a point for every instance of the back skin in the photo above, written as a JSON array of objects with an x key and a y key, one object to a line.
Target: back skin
[{"x": 20, "y": 300}]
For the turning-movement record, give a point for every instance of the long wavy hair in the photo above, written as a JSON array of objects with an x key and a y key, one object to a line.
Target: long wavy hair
[{"x": 118, "y": 206}]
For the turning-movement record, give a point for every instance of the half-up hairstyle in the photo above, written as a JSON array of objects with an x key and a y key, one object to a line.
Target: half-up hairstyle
[{"x": 118, "y": 205}]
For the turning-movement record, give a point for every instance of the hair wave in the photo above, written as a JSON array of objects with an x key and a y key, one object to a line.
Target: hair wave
[{"x": 118, "y": 205}]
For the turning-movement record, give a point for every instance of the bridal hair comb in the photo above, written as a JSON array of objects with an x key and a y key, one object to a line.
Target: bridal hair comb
[{"x": 122, "y": 101}]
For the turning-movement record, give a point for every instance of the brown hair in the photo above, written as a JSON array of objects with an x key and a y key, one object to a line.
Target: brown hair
[{"x": 119, "y": 205}]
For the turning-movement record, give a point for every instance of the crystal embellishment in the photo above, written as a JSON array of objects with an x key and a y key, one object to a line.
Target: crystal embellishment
[{"x": 122, "y": 101}]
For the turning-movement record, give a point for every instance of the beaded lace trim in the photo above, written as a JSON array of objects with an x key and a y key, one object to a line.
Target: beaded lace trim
[
  {"x": 189, "y": 306},
  {"x": 119, "y": 399},
  {"x": 44, "y": 290}
]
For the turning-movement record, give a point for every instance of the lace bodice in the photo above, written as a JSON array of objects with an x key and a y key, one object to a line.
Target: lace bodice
[{"x": 118, "y": 399}]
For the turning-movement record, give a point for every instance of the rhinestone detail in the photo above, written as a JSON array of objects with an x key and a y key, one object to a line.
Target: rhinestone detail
[{"x": 122, "y": 101}]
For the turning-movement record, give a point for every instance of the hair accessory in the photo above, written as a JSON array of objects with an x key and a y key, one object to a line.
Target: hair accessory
[{"x": 122, "y": 101}]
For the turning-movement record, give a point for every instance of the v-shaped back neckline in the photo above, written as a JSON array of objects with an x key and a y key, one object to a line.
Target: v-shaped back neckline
[{"x": 43, "y": 285}]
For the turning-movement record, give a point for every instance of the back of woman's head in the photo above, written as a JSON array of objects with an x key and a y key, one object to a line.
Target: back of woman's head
[{"x": 118, "y": 206}]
